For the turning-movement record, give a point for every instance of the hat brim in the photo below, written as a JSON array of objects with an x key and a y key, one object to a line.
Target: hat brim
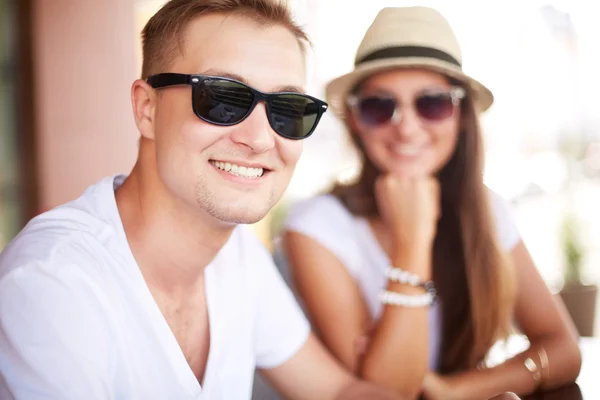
[{"x": 338, "y": 89}]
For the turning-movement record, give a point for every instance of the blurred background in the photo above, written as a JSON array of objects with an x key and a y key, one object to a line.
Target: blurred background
[{"x": 66, "y": 67}]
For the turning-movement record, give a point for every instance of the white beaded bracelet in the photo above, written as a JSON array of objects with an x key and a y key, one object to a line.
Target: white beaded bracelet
[
  {"x": 399, "y": 299},
  {"x": 396, "y": 274}
]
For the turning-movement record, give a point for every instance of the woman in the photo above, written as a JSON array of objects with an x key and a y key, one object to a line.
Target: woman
[{"x": 412, "y": 273}]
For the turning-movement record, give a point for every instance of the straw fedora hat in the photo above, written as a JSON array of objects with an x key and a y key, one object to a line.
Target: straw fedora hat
[{"x": 406, "y": 37}]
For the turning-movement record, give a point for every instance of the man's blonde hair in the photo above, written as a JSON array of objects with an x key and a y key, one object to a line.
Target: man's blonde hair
[{"x": 162, "y": 35}]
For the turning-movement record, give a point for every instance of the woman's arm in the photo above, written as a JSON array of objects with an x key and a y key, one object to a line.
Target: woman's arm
[
  {"x": 398, "y": 351},
  {"x": 397, "y": 354},
  {"x": 553, "y": 337}
]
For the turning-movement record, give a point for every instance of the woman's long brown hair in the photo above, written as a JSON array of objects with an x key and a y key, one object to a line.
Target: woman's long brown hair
[{"x": 471, "y": 272}]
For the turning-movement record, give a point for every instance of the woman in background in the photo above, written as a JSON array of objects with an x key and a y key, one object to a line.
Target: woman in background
[{"x": 412, "y": 273}]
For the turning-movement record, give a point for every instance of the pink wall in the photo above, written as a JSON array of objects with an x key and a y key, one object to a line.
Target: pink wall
[{"x": 85, "y": 62}]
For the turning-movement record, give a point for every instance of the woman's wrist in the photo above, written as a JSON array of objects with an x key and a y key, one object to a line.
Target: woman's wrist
[
  {"x": 402, "y": 240},
  {"x": 416, "y": 260}
]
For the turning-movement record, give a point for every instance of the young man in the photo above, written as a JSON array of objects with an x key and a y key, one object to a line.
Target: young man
[{"x": 145, "y": 287}]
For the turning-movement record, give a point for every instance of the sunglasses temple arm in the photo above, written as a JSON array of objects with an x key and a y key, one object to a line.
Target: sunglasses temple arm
[{"x": 169, "y": 79}]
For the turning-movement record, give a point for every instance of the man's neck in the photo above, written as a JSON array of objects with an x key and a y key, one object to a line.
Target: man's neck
[{"x": 171, "y": 242}]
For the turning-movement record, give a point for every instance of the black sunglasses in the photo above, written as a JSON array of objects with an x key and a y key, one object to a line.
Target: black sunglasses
[
  {"x": 431, "y": 106},
  {"x": 225, "y": 102}
]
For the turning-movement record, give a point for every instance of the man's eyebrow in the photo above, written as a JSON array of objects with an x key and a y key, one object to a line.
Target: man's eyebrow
[
  {"x": 294, "y": 89},
  {"x": 224, "y": 74}
]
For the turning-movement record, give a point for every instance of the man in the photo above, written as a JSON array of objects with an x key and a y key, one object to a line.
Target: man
[{"x": 144, "y": 287}]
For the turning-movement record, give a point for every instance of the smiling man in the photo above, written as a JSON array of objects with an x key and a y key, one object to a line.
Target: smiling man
[{"x": 145, "y": 287}]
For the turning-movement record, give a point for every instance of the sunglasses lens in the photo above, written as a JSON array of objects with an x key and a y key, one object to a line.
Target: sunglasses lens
[
  {"x": 293, "y": 116},
  {"x": 222, "y": 102},
  {"x": 375, "y": 111},
  {"x": 225, "y": 102},
  {"x": 435, "y": 107}
]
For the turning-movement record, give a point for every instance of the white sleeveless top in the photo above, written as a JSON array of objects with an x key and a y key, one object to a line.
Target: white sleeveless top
[{"x": 325, "y": 219}]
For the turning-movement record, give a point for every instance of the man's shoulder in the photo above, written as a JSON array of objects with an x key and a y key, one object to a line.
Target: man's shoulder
[{"x": 72, "y": 233}]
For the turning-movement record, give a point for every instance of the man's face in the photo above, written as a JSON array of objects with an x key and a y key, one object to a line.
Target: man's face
[{"x": 192, "y": 155}]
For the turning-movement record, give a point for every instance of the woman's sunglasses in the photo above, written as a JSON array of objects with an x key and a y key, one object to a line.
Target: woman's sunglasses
[
  {"x": 431, "y": 106},
  {"x": 225, "y": 102}
]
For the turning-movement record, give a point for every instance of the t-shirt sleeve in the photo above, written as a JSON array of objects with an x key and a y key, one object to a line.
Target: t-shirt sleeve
[
  {"x": 54, "y": 342},
  {"x": 280, "y": 326},
  {"x": 506, "y": 227},
  {"x": 326, "y": 220}
]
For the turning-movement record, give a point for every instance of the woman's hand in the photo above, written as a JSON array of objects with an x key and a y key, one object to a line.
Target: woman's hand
[{"x": 409, "y": 207}]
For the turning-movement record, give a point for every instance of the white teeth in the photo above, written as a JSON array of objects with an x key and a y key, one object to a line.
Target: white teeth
[
  {"x": 407, "y": 150},
  {"x": 238, "y": 170}
]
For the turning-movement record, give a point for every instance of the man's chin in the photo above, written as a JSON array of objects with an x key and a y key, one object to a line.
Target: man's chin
[
  {"x": 240, "y": 215},
  {"x": 241, "y": 220}
]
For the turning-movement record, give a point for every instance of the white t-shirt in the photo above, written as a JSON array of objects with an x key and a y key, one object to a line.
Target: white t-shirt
[
  {"x": 77, "y": 320},
  {"x": 325, "y": 219}
]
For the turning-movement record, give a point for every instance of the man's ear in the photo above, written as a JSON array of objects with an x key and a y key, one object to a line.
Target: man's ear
[{"x": 143, "y": 101}]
